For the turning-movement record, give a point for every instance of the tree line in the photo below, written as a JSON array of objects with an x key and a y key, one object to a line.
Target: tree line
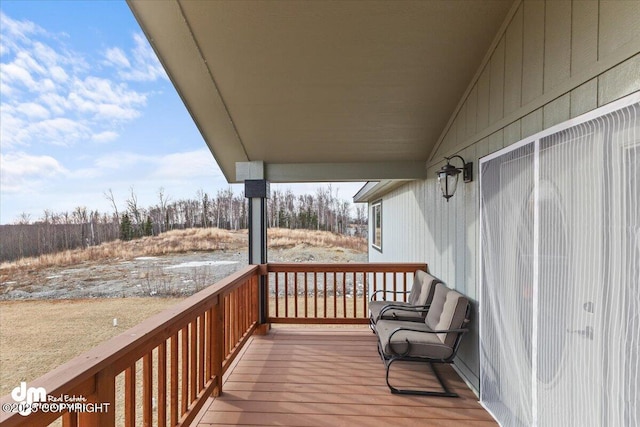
[{"x": 58, "y": 231}]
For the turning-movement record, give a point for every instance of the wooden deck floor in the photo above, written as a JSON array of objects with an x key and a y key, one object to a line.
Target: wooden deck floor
[{"x": 332, "y": 377}]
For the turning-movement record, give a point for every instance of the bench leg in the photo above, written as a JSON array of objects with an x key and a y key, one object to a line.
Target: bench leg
[{"x": 445, "y": 393}]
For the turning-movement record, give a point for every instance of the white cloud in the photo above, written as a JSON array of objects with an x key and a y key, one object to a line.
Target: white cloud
[
  {"x": 20, "y": 30},
  {"x": 104, "y": 137},
  {"x": 50, "y": 95},
  {"x": 58, "y": 74},
  {"x": 22, "y": 172},
  {"x": 33, "y": 111},
  {"x": 120, "y": 160},
  {"x": 117, "y": 57},
  {"x": 189, "y": 164},
  {"x": 174, "y": 166},
  {"x": 15, "y": 73},
  {"x": 105, "y": 99},
  {"x": 143, "y": 66},
  {"x": 59, "y": 131}
]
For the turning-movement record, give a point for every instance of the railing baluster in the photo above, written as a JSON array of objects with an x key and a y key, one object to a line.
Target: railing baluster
[
  {"x": 395, "y": 284},
  {"x": 335, "y": 295},
  {"x": 355, "y": 295},
  {"x": 344, "y": 294},
  {"x": 130, "y": 396},
  {"x": 174, "y": 380},
  {"x": 277, "y": 295},
  {"x": 147, "y": 393},
  {"x": 306, "y": 295},
  {"x": 405, "y": 286},
  {"x": 217, "y": 345},
  {"x": 201, "y": 346},
  {"x": 207, "y": 345},
  {"x": 365, "y": 293},
  {"x": 324, "y": 292},
  {"x": 193, "y": 363},
  {"x": 384, "y": 285},
  {"x": 226, "y": 329},
  {"x": 184, "y": 401},
  {"x": 295, "y": 293},
  {"x": 244, "y": 302},
  {"x": 315, "y": 294},
  {"x": 255, "y": 284},
  {"x": 375, "y": 283},
  {"x": 286, "y": 294},
  {"x": 162, "y": 384},
  {"x": 234, "y": 321}
]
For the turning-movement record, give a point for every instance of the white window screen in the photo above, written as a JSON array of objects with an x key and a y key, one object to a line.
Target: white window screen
[{"x": 560, "y": 260}]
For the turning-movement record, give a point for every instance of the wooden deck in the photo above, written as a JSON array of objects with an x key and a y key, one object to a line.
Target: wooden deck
[{"x": 332, "y": 377}]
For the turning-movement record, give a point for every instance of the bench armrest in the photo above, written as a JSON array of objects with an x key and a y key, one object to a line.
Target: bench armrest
[
  {"x": 444, "y": 331},
  {"x": 373, "y": 296},
  {"x": 410, "y": 309}
]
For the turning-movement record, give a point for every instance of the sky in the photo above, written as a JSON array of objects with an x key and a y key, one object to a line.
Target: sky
[{"x": 86, "y": 107}]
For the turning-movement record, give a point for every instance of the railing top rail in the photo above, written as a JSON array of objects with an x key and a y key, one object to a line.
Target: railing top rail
[
  {"x": 133, "y": 343},
  {"x": 348, "y": 267}
]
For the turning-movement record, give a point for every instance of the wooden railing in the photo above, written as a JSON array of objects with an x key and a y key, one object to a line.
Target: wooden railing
[
  {"x": 160, "y": 372},
  {"x": 332, "y": 293}
]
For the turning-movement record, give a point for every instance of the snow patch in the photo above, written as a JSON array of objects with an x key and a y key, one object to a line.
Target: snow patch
[
  {"x": 192, "y": 264},
  {"x": 146, "y": 258}
]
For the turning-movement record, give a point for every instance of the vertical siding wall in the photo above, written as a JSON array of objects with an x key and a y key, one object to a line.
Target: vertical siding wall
[{"x": 553, "y": 60}]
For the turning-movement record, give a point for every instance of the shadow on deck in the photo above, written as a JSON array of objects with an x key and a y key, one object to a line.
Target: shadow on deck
[{"x": 332, "y": 377}]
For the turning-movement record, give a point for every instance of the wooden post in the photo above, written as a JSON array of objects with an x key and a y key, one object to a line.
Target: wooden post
[
  {"x": 103, "y": 401},
  {"x": 257, "y": 191}
]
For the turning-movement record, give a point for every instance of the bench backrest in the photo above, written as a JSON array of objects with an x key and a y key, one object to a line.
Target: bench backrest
[
  {"x": 448, "y": 310},
  {"x": 423, "y": 288}
]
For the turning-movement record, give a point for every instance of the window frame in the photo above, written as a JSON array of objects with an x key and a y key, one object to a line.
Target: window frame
[{"x": 376, "y": 225}]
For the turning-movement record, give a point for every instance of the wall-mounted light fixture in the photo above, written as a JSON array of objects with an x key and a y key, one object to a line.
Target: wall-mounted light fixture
[{"x": 448, "y": 176}]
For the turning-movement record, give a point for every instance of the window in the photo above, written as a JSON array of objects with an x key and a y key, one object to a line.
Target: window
[{"x": 376, "y": 235}]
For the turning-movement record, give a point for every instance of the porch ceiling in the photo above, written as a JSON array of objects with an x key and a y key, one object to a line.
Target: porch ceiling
[{"x": 349, "y": 86}]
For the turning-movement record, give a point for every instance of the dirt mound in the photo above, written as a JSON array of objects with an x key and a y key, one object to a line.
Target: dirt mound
[{"x": 172, "y": 275}]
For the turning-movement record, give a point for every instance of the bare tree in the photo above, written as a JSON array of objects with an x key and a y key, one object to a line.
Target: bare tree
[
  {"x": 164, "y": 200},
  {"x": 134, "y": 209},
  {"x": 109, "y": 196},
  {"x": 24, "y": 219}
]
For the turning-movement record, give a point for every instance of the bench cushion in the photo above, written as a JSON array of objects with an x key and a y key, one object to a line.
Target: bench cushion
[
  {"x": 416, "y": 287},
  {"x": 421, "y": 294},
  {"x": 422, "y": 344},
  {"x": 448, "y": 311}
]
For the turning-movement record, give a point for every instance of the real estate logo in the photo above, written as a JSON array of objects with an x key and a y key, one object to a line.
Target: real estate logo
[
  {"x": 26, "y": 397},
  {"x": 36, "y": 399}
]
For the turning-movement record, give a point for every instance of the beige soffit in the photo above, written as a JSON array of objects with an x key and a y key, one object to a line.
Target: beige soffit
[
  {"x": 374, "y": 190},
  {"x": 321, "y": 91}
]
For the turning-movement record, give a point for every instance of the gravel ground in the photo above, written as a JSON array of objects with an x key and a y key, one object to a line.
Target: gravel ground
[{"x": 173, "y": 275}]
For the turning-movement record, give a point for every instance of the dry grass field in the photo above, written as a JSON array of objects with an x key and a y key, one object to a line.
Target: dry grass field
[
  {"x": 175, "y": 241},
  {"x": 37, "y": 336},
  {"x": 181, "y": 241}
]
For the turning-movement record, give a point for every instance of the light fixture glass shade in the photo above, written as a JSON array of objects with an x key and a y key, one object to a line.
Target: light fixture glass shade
[{"x": 448, "y": 182}]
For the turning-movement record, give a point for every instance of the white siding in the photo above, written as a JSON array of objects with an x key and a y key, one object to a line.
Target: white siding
[{"x": 549, "y": 65}]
